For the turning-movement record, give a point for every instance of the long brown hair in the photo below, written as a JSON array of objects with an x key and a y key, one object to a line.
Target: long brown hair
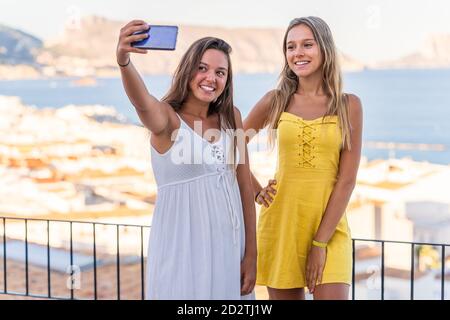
[
  {"x": 186, "y": 70},
  {"x": 332, "y": 80}
]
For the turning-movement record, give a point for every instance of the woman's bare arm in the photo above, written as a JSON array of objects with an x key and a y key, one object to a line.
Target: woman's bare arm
[
  {"x": 252, "y": 125},
  {"x": 248, "y": 266},
  {"x": 154, "y": 114},
  {"x": 346, "y": 180}
]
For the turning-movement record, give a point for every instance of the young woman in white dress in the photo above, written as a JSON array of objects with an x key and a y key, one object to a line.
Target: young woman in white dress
[{"x": 203, "y": 239}]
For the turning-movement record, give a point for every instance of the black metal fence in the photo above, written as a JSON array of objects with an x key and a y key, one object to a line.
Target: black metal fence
[
  {"x": 141, "y": 229},
  {"x": 413, "y": 246},
  {"x": 94, "y": 226}
]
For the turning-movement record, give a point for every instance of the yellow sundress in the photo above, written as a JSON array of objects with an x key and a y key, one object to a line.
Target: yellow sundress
[{"x": 308, "y": 162}]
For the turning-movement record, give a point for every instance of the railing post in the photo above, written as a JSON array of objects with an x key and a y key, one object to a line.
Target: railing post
[
  {"x": 142, "y": 264},
  {"x": 48, "y": 261},
  {"x": 443, "y": 273},
  {"x": 412, "y": 271},
  {"x": 382, "y": 270},
  {"x": 5, "y": 278},
  {"x": 353, "y": 269},
  {"x": 94, "y": 252},
  {"x": 27, "y": 290},
  {"x": 71, "y": 263},
  {"x": 118, "y": 264}
]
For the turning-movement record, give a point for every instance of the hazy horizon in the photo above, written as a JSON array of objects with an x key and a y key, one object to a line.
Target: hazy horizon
[{"x": 369, "y": 31}]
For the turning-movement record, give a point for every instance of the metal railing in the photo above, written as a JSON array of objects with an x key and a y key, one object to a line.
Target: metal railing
[
  {"x": 142, "y": 228},
  {"x": 94, "y": 225},
  {"x": 413, "y": 246}
]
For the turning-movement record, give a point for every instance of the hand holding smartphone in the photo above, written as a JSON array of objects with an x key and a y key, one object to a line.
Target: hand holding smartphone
[{"x": 159, "y": 38}]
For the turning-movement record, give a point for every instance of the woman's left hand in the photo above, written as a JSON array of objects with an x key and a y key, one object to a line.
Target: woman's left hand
[
  {"x": 248, "y": 275},
  {"x": 314, "y": 267}
]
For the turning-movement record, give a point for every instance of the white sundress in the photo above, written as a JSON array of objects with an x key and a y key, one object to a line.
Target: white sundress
[{"x": 197, "y": 237}]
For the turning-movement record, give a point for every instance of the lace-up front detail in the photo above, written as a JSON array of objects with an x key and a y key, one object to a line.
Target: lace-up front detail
[
  {"x": 309, "y": 144},
  {"x": 306, "y": 145}
]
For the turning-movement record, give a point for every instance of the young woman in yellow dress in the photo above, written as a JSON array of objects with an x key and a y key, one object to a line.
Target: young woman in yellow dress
[{"x": 303, "y": 237}]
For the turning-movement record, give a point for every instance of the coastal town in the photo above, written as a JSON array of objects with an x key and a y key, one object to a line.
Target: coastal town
[{"x": 87, "y": 163}]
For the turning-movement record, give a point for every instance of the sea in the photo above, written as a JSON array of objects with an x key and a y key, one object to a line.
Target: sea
[{"x": 400, "y": 106}]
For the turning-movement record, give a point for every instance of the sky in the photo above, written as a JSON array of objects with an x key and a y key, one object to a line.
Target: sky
[{"x": 368, "y": 30}]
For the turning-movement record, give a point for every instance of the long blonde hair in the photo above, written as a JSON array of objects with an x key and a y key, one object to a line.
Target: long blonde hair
[{"x": 332, "y": 81}]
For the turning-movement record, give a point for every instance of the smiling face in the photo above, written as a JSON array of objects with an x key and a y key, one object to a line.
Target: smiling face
[
  {"x": 302, "y": 51},
  {"x": 210, "y": 79}
]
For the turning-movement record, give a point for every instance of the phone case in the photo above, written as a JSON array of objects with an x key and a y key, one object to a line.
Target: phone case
[{"x": 160, "y": 38}]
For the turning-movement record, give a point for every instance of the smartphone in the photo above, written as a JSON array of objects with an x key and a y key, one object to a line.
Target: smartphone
[{"x": 159, "y": 38}]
